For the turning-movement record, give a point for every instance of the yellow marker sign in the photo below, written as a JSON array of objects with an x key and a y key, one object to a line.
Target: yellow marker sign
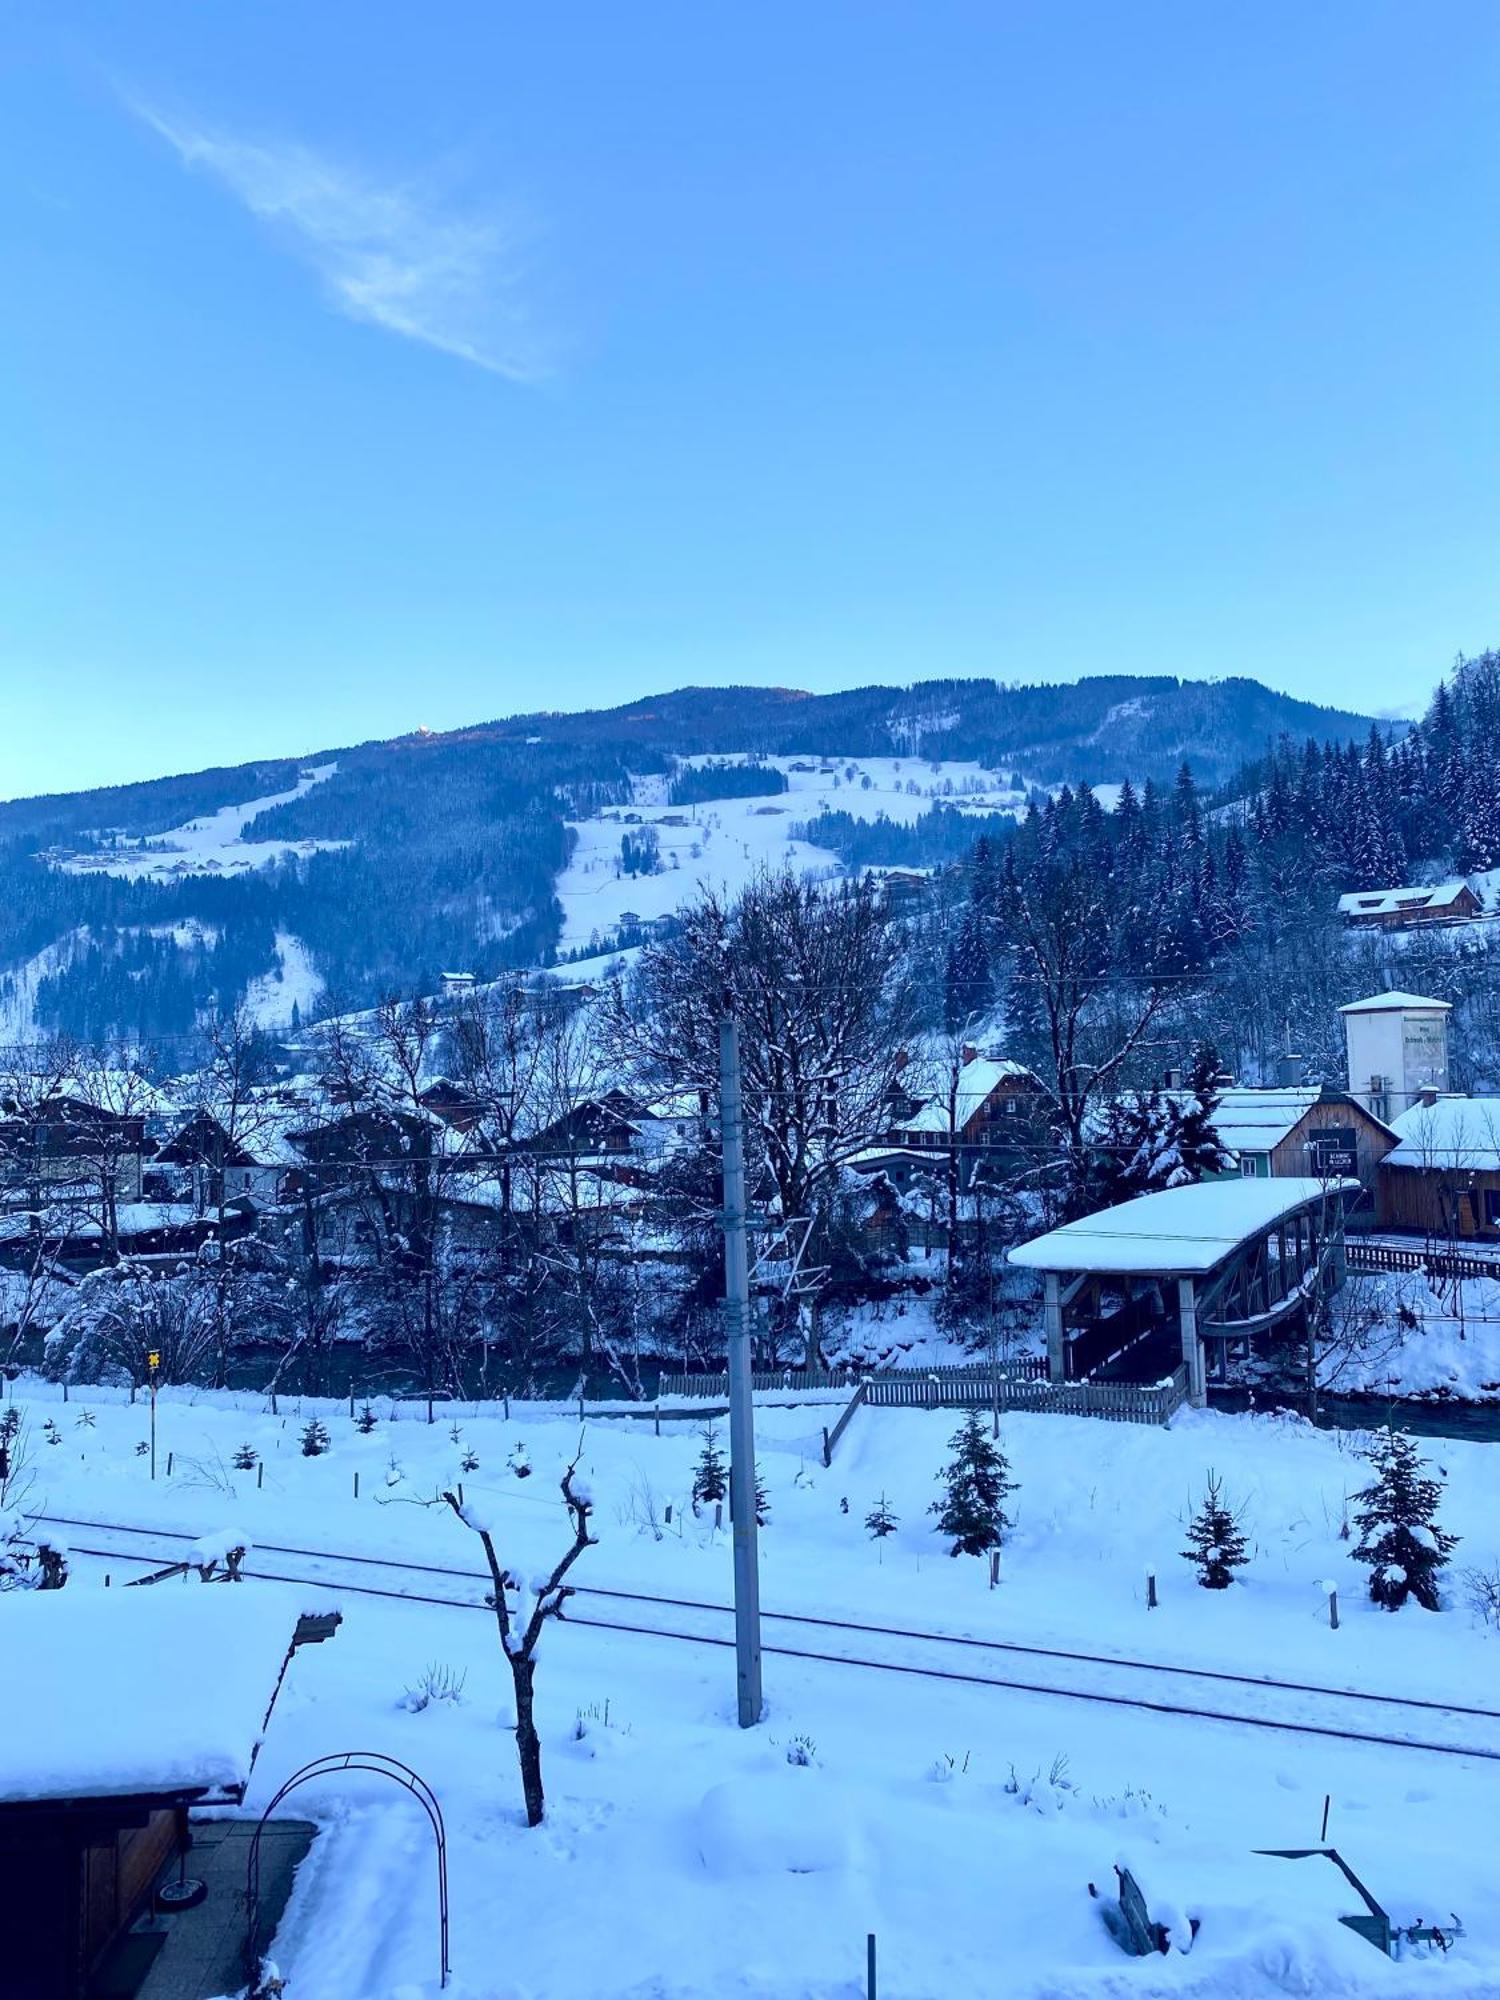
[{"x": 153, "y": 1361}]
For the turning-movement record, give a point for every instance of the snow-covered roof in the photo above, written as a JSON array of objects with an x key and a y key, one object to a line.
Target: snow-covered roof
[
  {"x": 1256, "y": 1121},
  {"x": 1390, "y": 1003},
  {"x": 151, "y": 1691},
  {"x": 1182, "y": 1231},
  {"x": 977, "y": 1083},
  {"x": 1388, "y": 902},
  {"x": 1454, "y": 1135}
]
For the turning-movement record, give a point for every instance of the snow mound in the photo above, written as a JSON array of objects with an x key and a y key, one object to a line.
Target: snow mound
[{"x": 773, "y": 1824}]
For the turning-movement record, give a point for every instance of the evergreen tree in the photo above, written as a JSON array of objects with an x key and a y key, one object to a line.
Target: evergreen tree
[
  {"x": 315, "y": 1439},
  {"x": 366, "y": 1421},
  {"x": 976, "y": 1480},
  {"x": 1216, "y": 1548},
  {"x": 710, "y": 1475},
  {"x": 1396, "y": 1517},
  {"x": 881, "y": 1520},
  {"x": 245, "y": 1458}
]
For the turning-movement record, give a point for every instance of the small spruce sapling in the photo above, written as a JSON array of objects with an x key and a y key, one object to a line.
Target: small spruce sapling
[
  {"x": 1396, "y": 1517},
  {"x": 710, "y": 1474},
  {"x": 315, "y": 1439},
  {"x": 975, "y": 1480},
  {"x": 366, "y": 1421},
  {"x": 1216, "y": 1548},
  {"x": 246, "y": 1458},
  {"x": 881, "y": 1520},
  {"x": 470, "y": 1461},
  {"x": 762, "y": 1500}
]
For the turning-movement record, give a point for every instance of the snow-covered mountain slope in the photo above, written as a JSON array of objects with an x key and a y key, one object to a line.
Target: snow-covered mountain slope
[
  {"x": 720, "y": 843},
  {"x": 213, "y": 844}
]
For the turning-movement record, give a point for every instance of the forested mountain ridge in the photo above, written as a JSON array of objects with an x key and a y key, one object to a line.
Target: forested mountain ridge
[
  {"x": 1099, "y": 730},
  {"x": 382, "y": 864}
]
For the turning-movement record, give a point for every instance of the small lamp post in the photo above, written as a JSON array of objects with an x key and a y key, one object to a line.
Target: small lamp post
[{"x": 153, "y": 1362}]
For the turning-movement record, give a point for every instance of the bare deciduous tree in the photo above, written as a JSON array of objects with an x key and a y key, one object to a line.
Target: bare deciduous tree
[{"x": 521, "y": 1611}]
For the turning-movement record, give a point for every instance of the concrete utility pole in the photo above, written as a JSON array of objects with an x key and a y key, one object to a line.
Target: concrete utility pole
[{"x": 741, "y": 1409}]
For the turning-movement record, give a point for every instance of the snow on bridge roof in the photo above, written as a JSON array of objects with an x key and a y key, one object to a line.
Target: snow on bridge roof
[
  {"x": 143, "y": 1692},
  {"x": 1184, "y": 1231}
]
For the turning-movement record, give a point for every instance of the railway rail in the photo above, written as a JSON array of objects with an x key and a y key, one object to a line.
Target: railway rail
[{"x": 1303, "y": 1708}]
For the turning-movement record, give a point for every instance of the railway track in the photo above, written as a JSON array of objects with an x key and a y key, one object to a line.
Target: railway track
[{"x": 1356, "y": 1715}]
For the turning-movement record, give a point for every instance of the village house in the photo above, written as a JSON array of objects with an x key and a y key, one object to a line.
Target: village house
[
  {"x": 1442, "y": 1177},
  {"x": 65, "y": 1141},
  {"x": 1402, "y": 909},
  {"x": 993, "y": 1115},
  {"x": 1294, "y": 1130}
]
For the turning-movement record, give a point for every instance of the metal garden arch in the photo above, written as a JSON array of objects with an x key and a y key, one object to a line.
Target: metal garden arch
[{"x": 376, "y": 1762}]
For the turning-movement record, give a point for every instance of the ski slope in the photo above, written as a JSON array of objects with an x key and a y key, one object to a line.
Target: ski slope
[{"x": 723, "y": 843}]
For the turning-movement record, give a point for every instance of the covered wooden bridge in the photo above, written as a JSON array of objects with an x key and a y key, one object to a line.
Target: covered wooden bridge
[{"x": 1193, "y": 1277}]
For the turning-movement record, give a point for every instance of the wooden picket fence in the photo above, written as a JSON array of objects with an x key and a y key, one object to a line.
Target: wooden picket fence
[
  {"x": 1025, "y": 1367},
  {"x": 1019, "y": 1385},
  {"x": 1365, "y": 1256}
]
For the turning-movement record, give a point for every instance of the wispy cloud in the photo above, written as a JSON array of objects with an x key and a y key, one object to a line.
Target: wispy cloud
[{"x": 394, "y": 255}]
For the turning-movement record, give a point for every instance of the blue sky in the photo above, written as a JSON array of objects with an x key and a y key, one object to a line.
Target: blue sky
[{"x": 366, "y": 366}]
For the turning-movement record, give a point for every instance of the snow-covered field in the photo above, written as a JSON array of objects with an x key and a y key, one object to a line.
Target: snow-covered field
[
  {"x": 721, "y": 844},
  {"x": 961, "y": 1823},
  {"x": 211, "y": 845}
]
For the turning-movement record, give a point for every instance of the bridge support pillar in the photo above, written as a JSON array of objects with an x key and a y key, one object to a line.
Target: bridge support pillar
[
  {"x": 1052, "y": 1320},
  {"x": 1192, "y": 1346}
]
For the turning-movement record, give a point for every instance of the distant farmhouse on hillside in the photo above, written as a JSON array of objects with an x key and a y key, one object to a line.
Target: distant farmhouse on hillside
[{"x": 1400, "y": 909}]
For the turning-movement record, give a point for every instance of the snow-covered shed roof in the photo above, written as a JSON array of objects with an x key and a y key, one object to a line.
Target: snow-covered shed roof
[
  {"x": 143, "y": 1692},
  {"x": 1390, "y": 1003},
  {"x": 1387, "y": 902},
  {"x": 1454, "y": 1135},
  {"x": 1182, "y": 1232}
]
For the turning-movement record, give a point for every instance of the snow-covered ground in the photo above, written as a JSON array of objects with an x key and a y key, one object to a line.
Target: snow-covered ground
[
  {"x": 18, "y": 988},
  {"x": 721, "y": 844},
  {"x": 962, "y": 1824},
  {"x": 296, "y": 982},
  {"x": 1441, "y": 1340},
  {"x": 211, "y": 845}
]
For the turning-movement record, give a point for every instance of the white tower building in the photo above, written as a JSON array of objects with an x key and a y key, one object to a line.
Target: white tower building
[{"x": 1398, "y": 1047}]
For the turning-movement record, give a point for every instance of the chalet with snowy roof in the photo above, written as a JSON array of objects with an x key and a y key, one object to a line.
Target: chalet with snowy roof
[
  {"x": 202, "y": 1164},
  {"x": 1294, "y": 1130},
  {"x": 596, "y": 1127},
  {"x": 1403, "y": 909},
  {"x": 141, "y": 1705},
  {"x": 989, "y": 1112},
  {"x": 64, "y": 1139},
  {"x": 1442, "y": 1177}
]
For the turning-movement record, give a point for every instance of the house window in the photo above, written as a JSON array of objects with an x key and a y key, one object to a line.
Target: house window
[{"x": 1255, "y": 1166}]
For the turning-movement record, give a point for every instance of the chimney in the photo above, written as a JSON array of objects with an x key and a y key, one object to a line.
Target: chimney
[
  {"x": 1427, "y": 1096},
  {"x": 1289, "y": 1071},
  {"x": 969, "y": 1054},
  {"x": 1174, "y": 1079}
]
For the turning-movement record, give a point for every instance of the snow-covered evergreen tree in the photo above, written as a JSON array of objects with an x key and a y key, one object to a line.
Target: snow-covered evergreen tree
[
  {"x": 1216, "y": 1548},
  {"x": 315, "y": 1439},
  {"x": 710, "y": 1474},
  {"x": 881, "y": 1520},
  {"x": 975, "y": 1482},
  {"x": 1396, "y": 1515}
]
